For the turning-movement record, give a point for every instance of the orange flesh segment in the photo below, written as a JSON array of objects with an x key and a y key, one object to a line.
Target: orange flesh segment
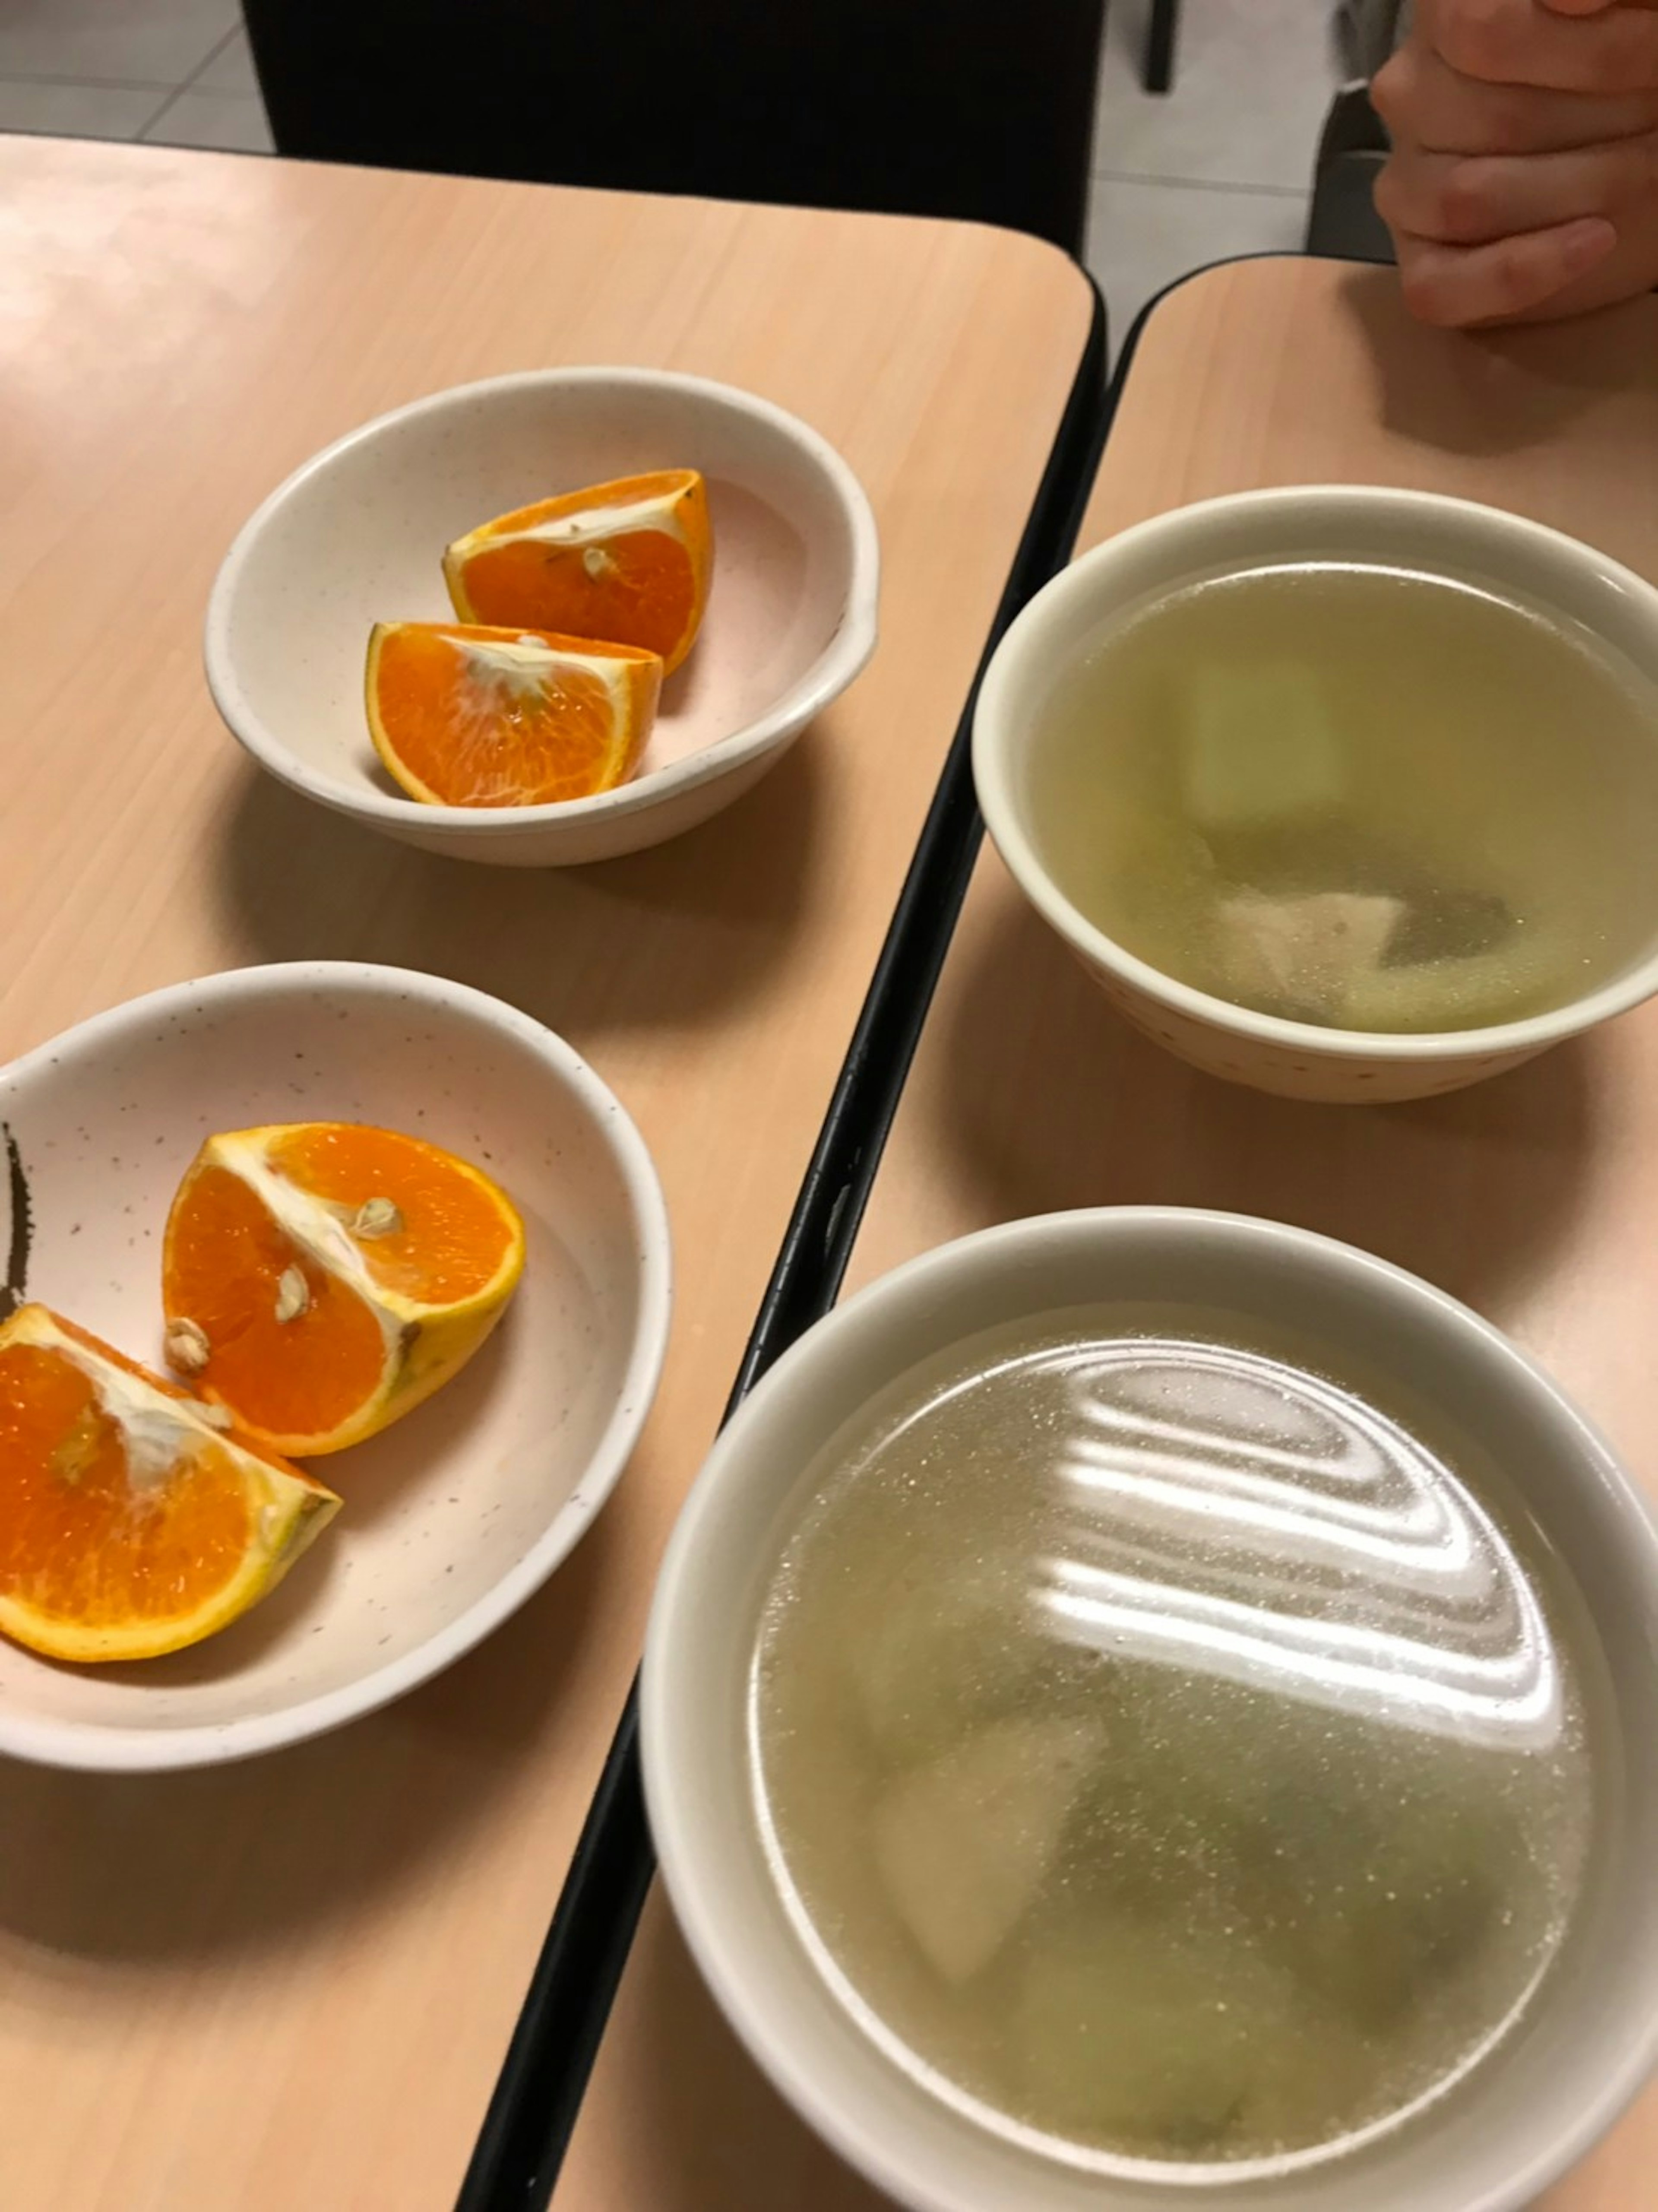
[
  {"x": 666, "y": 484},
  {"x": 454, "y": 1238},
  {"x": 638, "y": 585},
  {"x": 336, "y": 1274},
  {"x": 456, "y": 725},
  {"x": 166, "y": 1389},
  {"x": 645, "y": 600},
  {"x": 226, "y": 1257},
  {"x": 80, "y": 1540}
]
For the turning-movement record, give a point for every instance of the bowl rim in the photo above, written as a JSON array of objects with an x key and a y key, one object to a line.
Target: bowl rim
[
  {"x": 846, "y": 655},
  {"x": 1593, "y": 2101},
  {"x": 995, "y": 741},
  {"x": 86, "y": 1746}
]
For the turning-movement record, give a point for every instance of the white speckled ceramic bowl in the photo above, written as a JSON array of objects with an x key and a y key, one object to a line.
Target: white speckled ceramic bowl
[
  {"x": 1591, "y": 2034},
  {"x": 458, "y": 1512},
  {"x": 355, "y": 537},
  {"x": 1343, "y": 522}
]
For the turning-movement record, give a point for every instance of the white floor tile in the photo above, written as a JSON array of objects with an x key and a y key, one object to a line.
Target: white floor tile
[
  {"x": 1253, "y": 79},
  {"x": 227, "y": 122},
  {"x": 1142, "y": 237},
  {"x": 230, "y": 70},
  {"x": 126, "y": 41},
  {"x": 77, "y": 110}
]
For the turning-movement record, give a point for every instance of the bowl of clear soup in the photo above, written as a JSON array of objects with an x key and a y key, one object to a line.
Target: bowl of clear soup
[
  {"x": 1144, "y": 1704},
  {"x": 1341, "y": 792}
]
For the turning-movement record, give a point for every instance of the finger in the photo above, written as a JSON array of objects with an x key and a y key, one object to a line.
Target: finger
[
  {"x": 1460, "y": 201},
  {"x": 1461, "y": 286},
  {"x": 1421, "y": 98},
  {"x": 1614, "y": 50}
]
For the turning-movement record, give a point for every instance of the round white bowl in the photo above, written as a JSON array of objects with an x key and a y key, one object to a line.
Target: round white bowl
[
  {"x": 1591, "y": 2033},
  {"x": 356, "y": 536},
  {"x": 456, "y": 1514},
  {"x": 1420, "y": 529}
]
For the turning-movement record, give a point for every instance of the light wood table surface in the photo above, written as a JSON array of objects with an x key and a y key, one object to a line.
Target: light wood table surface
[
  {"x": 1535, "y": 1197},
  {"x": 291, "y": 1983}
]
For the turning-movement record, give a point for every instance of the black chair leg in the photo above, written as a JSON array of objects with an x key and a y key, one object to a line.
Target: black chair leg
[
  {"x": 1343, "y": 224},
  {"x": 1160, "y": 45}
]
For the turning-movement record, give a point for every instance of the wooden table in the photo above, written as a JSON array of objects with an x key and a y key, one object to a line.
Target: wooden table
[
  {"x": 1534, "y": 1197},
  {"x": 290, "y": 1983}
]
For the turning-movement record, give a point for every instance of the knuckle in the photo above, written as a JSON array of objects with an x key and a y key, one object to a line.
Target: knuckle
[
  {"x": 1476, "y": 36},
  {"x": 1392, "y": 87},
  {"x": 1462, "y": 205},
  {"x": 1390, "y": 194},
  {"x": 1428, "y": 298},
  {"x": 1438, "y": 197},
  {"x": 1509, "y": 120}
]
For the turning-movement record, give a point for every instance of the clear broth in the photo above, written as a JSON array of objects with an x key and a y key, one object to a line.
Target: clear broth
[
  {"x": 1170, "y": 1757},
  {"x": 1358, "y": 796}
]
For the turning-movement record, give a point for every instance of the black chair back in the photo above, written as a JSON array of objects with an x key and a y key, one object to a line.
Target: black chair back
[{"x": 915, "y": 106}]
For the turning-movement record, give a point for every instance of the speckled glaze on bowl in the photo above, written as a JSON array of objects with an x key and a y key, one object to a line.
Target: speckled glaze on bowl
[
  {"x": 355, "y": 537},
  {"x": 456, "y": 1514},
  {"x": 1419, "y": 530}
]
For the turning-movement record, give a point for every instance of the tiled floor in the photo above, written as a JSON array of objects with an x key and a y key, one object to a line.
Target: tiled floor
[
  {"x": 1220, "y": 165},
  {"x": 1223, "y": 164},
  {"x": 176, "y": 71}
]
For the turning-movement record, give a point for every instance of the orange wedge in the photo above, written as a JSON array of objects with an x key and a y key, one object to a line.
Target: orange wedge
[
  {"x": 131, "y": 1522},
  {"x": 628, "y": 560},
  {"x": 467, "y": 716},
  {"x": 321, "y": 1279}
]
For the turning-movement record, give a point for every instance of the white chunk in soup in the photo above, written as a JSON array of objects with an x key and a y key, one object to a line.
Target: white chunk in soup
[
  {"x": 1174, "y": 1750},
  {"x": 1358, "y": 796}
]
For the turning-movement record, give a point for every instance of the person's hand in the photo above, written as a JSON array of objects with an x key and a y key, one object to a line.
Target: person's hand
[{"x": 1523, "y": 182}]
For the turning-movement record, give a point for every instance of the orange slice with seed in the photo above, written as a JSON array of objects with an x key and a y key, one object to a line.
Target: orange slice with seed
[
  {"x": 321, "y": 1279},
  {"x": 468, "y": 716},
  {"x": 131, "y": 1523},
  {"x": 628, "y": 560}
]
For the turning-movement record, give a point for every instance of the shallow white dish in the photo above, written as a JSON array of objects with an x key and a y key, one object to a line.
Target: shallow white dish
[
  {"x": 457, "y": 1513},
  {"x": 357, "y": 536},
  {"x": 1591, "y": 2033}
]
